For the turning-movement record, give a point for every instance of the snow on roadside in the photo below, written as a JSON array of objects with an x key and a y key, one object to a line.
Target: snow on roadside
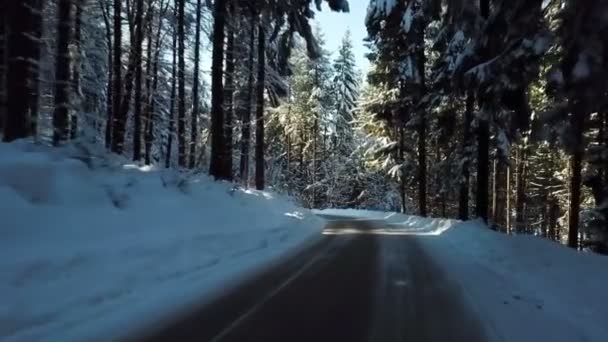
[
  {"x": 526, "y": 288},
  {"x": 92, "y": 248}
]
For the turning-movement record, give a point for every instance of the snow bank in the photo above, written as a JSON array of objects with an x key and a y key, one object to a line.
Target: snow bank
[
  {"x": 92, "y": 248},
  {"x": 526, "y": 288}
]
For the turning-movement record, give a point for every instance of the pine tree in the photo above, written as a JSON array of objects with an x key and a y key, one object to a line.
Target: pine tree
[{"x": 346, "y": 91}]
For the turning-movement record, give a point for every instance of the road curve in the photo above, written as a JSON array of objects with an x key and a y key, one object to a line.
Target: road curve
[{"x": 350, "y": 287}]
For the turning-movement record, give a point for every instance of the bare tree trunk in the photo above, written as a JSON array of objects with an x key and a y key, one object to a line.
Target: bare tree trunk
[
  {"x": 422, "y": 139},
  {"x": 118, "y": 121},
  {"x": 36, "y": 46},
  {"x": 483, "y": 145},
  {"x": 229, "y": 93},
  {"x": 246, "y": 120},
  {"x": 105, "y": 10},
  {"x": 76, "y": 66},
  {"x": 62, "y": 73},
  {"x": 173, "y": 91},
  {"x": 137, "y": 51},
  {"x": 152, "y": 115},
  {"x": 463, "y": 202},
  {"x": 259, "y": 114},
  {"x": 195, "y": 92},
  {"x": 520, "y": 195},
  {"x": 508, "y": 196},
  {"x": 181, "y": 85},
  {"x": 576, "y": 161},
  {"x": 22, "y": 22},
  {"x": 401, "y": 158},
  {"x": 217, "y": 167}
]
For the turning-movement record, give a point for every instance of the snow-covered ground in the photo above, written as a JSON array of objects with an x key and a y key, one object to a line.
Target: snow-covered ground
[
  {"x": 92, "y": 248},
  {"x": 524, "y": 288}
]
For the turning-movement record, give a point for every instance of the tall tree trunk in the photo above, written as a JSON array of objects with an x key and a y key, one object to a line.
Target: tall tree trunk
[
  {"x": 508, "y": 196},
  {"x": 483, "y": 144},
  {"x": 401, "y": 158},
  {"x": 577, "y": 122},
  {"x": 105, "y": 10},
  {"x": 229, "y": 92},
  {"x": 195, "y": 92},
  {"x": 76, "y": 66},
  {"x": 217, "y": 167},
  {"x": 3, "y": 62},
  {"x": 152, "y": 115},
  {"x": 21, "y": 59},
  {"x": 246, "y": 120},
  {"x": 181, "y": 85},
  {"x": 173, "y": 92},
  {"x": 463, "y": 200},
  {"x": 62, "y": 73},
  {"x": 494, "y": 190},
  {"x": 118, "y": 121},
  {"x": 520, "y": 192},
  {"x": 147, "y": 124},
  {"x": 36, "y": 47},
  {"x": 422, "y": 138},
  {"x": 137, "y": 51},
  {"x": 259, "y": 114}
]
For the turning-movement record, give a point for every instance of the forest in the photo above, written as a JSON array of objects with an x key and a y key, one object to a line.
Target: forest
[{"x": 488, "y": 109}]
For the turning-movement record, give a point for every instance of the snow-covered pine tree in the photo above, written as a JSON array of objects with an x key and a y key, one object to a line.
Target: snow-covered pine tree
[{"x": 346, "y": 92}]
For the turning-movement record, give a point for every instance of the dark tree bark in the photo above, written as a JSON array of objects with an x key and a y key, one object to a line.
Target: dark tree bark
[
  {"x": 36, "y": 47},
  {"x": 149, "y": 98},
  {"x": 181, "y": 85},
  {"x": 463, "y": 201},
  {"x": 422, "y": 138},
  {"x": 217, "y": 167},
  {"x": 137, "y": 52},
  {"x": 105, "y": 10},
  {"x": 483, "y": 145},
  {"x": 118, "y": 121},
  {"x": 3, "y": 62},
  {"x": 401, "y": 158},
  {"x": 195, "y": 92},
  {"x": 520, "y": 190},
  {"x": 76, "y": 66},
  {"x": 259, "y": 113},
  {"x": 494, "y": 190},
  {"x": 21, "y": 60},
  {"x": 577, "y": 123},
  {"x": 229, "y": 93},
  {"x": 246, "y": 119},
  {"x": 152, "y": 115},
  {"x": 62, "y": 73},
  {"x": 173, "y": 91},
  {"x": 508, "y": 197}
]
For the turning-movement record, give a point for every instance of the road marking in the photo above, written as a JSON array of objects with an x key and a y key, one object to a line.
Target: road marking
[{"x": 266, "y": 298}]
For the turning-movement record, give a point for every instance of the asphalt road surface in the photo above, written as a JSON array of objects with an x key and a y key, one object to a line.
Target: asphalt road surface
[{"x": 353, "y": 286}]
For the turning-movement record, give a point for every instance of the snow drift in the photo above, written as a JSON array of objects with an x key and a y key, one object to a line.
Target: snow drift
[{"x": 92, "y": 247}]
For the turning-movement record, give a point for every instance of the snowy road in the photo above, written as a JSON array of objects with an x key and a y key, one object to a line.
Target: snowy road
[{"x": 358, "y": 284}]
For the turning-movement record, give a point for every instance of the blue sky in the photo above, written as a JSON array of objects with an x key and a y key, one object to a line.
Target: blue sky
[{"x": 334, "y": 26}]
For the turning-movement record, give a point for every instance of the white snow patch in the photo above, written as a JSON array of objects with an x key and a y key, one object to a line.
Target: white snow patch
[
  {"x": 95, "y": 252},
  {"x": 526, "y": 288}
]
